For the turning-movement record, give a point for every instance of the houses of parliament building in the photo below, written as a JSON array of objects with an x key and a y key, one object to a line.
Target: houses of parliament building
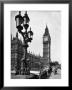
[{"x": 36, "y": 62}]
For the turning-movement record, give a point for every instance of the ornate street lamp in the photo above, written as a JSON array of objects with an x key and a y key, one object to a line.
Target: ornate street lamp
[
  {"x": 26, "y": 20},
  {"x": 30, "y": 35},
  {"x": 19, "y": 21},
  {"x": 27, "y": 37}
]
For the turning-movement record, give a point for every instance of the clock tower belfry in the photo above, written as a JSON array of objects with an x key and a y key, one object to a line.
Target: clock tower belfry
[{"x": 46, "y": 45}]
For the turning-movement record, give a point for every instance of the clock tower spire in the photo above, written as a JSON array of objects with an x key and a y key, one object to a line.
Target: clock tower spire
[{"x": 46, "y": 45}]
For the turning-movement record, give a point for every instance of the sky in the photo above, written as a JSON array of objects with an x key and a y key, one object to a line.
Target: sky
[{"x": 38, "y": 21}]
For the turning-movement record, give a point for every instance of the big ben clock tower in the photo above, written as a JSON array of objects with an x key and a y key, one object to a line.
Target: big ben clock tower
[{"x": 46, "y": 45}]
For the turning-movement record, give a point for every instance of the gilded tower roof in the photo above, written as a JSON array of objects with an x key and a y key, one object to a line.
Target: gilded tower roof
[{"x": 46, "y": 31}]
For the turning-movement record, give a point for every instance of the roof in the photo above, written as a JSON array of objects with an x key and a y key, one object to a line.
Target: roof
[{"x": 46, "y": 32}]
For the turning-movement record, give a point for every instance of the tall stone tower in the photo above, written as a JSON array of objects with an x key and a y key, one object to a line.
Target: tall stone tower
[{"x": 46, "y": 45}]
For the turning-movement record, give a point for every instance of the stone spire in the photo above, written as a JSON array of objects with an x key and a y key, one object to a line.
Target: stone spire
[
  {"x": 16, "y": 34},
  {"x": 11, "y": 36},
  {"x": 46, "y": 31}
]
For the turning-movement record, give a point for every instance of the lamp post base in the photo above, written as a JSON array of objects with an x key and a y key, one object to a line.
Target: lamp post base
[{"x": 25, "y": 70}]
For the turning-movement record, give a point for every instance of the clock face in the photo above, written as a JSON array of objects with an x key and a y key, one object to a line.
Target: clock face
[{"x": 45, "y": 38}]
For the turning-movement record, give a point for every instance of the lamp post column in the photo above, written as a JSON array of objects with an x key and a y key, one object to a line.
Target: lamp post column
[{"x": 27, "y": 37}]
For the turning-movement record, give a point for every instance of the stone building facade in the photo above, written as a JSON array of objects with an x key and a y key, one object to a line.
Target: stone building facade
[{"x": 16, "y": 52}]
